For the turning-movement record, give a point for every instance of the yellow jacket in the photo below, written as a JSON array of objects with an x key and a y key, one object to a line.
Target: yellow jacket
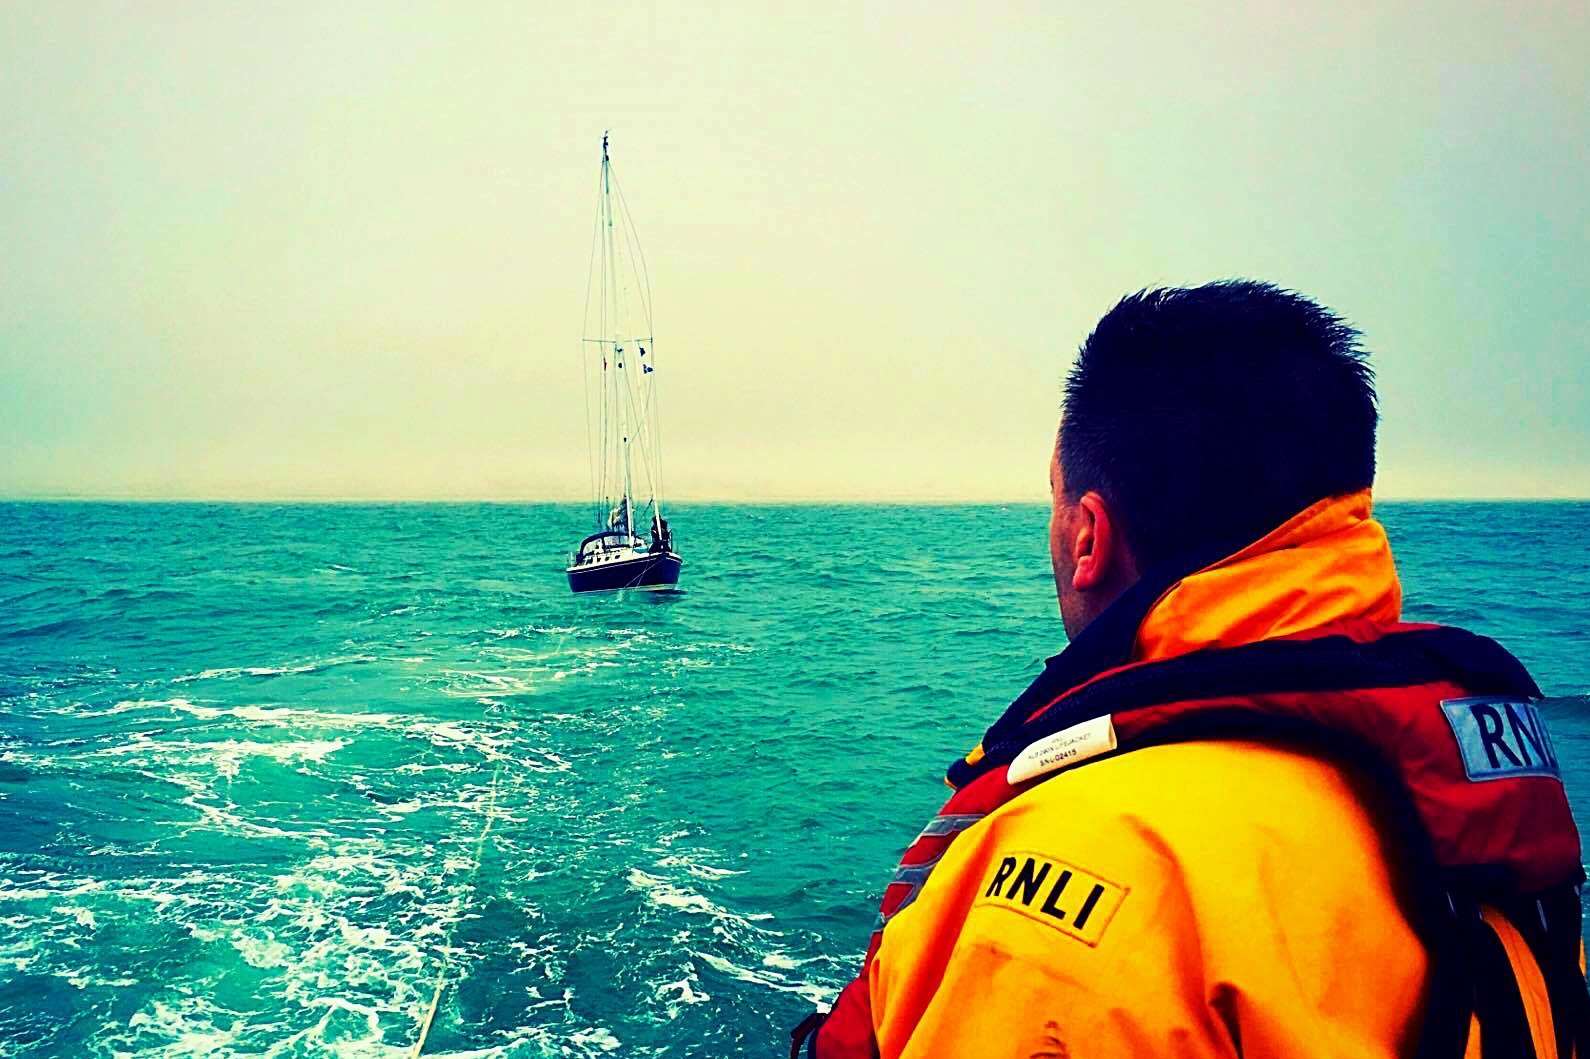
[{"x": 1216, "y": 890}]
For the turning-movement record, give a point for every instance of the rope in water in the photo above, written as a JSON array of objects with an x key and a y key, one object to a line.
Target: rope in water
[{"x": 447, "y": 946}]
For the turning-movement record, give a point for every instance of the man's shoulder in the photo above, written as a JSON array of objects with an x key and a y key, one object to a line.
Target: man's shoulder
[
  {"x": 1197, "y": 791},
  {"x": 1125, "y": 890},
  {"x": 1206, "y": 835},
  {"x": 1205, "y": 818}
]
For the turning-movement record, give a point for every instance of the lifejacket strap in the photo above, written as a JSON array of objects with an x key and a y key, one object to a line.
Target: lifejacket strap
[
  {"x": 805, "y": 1034},
  {"x": 1531, "y": 981},
  {"x": 1505, "y": 1029}
]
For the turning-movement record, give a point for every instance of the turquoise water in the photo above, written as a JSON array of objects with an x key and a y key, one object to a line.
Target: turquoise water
[{"x": 247, "y": 752}]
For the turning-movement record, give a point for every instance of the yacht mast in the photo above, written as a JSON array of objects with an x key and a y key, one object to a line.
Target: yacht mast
[{"x": 621, "y": 377}]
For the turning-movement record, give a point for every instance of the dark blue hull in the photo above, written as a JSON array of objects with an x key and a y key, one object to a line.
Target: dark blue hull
[{"x": 659, "y": 570}]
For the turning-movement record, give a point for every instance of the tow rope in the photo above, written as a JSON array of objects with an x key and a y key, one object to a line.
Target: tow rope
[{"x": 447, "y": 945}]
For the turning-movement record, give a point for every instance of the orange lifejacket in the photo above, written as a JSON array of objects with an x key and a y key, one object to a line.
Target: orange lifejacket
[{"x": 1441, "y": 725}]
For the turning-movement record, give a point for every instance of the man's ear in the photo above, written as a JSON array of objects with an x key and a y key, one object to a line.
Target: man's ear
[{"x": 1098, "y": 554}]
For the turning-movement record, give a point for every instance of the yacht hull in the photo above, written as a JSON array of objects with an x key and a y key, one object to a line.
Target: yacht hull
[{"x": 659, "y": 570}]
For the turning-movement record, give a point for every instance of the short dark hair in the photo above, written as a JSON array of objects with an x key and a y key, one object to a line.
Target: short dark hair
[{"x": 1207, "y": 416}]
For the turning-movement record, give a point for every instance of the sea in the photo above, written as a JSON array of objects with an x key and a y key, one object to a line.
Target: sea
[{"x": 276, "y": 780}]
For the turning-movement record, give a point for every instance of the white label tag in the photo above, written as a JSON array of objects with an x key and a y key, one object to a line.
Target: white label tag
[
  {"x": 1063, "y": 749},
  {"x": 1501, "y": 737}
]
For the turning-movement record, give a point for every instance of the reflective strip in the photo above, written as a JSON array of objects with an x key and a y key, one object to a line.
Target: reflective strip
[
  {"x": 949, "y": 825},
  {"x": 913, "y": 876},
  {"x": 916, "y": 874}
]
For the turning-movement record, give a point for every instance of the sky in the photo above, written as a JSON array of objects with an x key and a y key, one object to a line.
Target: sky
[{"x": 339, "y": 250}]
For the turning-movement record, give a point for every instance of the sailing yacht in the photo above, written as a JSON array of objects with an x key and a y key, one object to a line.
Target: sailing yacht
[{"x": 632, "y": 546}]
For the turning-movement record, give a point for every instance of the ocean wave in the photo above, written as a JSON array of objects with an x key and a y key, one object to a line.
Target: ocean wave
[
  {"x": 178, "y": 1028},
  {"x": 664, "y": 894},
  {"x": 488, "y": 740},
  {"x": 477, "y": 683},
  {"x": 683, "y": 991},
  {"x": 814, "y": 992},
  {"x": 49, "y": 628},
  {"x": 694, "y": 867},
  {"x": 224, "y": 755},
  {"x": 595, "y": 1038},
  {"x": 234, "y": 672},
  {"x": 271, "y": 716}
]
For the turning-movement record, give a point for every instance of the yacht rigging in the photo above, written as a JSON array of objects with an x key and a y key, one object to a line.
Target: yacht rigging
[{"x": 632, "y": 545}]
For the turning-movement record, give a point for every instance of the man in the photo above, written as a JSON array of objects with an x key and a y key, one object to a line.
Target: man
[{"x": 1247, "y": 811}]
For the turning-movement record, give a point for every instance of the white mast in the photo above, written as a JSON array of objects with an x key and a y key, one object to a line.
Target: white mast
[{"x": 621, "y": 377}]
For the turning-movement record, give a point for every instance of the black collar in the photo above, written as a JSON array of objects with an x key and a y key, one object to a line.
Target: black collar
[{"x": 1104, "y": 644}]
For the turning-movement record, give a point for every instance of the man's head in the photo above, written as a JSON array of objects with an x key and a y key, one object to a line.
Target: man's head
[{"x": 1196, "y": 421}]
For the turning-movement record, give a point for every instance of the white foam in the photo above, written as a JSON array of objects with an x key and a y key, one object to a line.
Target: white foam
[
  {"x": 663, "y": 893},
  {"x": 189, "y": 1029},
  {"x": 230, "y": 672},
  {"x": 700, "y": 871},
  {"x": 479, "y": 683},
  {"x": 228, "y": 755},
  {"x": 11, "y": 890},
  {"x": 589, "y": 667},
  {"x": 129, "y": 705},
  {"x": 414, "y": 768},
  {"x": 84, "y": 917},
  {"x": 224, "y": 818},
  {"x": 687, "y": 994},
  {"x": 84, "y": 980},
  {"x": 204, "y": 934},
  {"x": 460, "y": 735},
  {"x": 556, "y": 763},
  {"x": 813, "y": 992},
  {"x": 281, "y": 716},
  {"x": 263, "y": 952},
  {"x": 595, "y": 1036}
]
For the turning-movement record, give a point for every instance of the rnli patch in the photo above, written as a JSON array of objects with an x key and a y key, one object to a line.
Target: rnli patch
[
  {"x": 1070, "y": 899},
  {"x": 1499, "y": 738}
]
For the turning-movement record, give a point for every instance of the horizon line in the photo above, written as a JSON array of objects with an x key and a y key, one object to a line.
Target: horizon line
[{"x": 770, "y": 500}]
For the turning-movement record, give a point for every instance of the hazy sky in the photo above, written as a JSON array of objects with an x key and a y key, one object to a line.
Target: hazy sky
[{"x": 340, "y": 250}]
